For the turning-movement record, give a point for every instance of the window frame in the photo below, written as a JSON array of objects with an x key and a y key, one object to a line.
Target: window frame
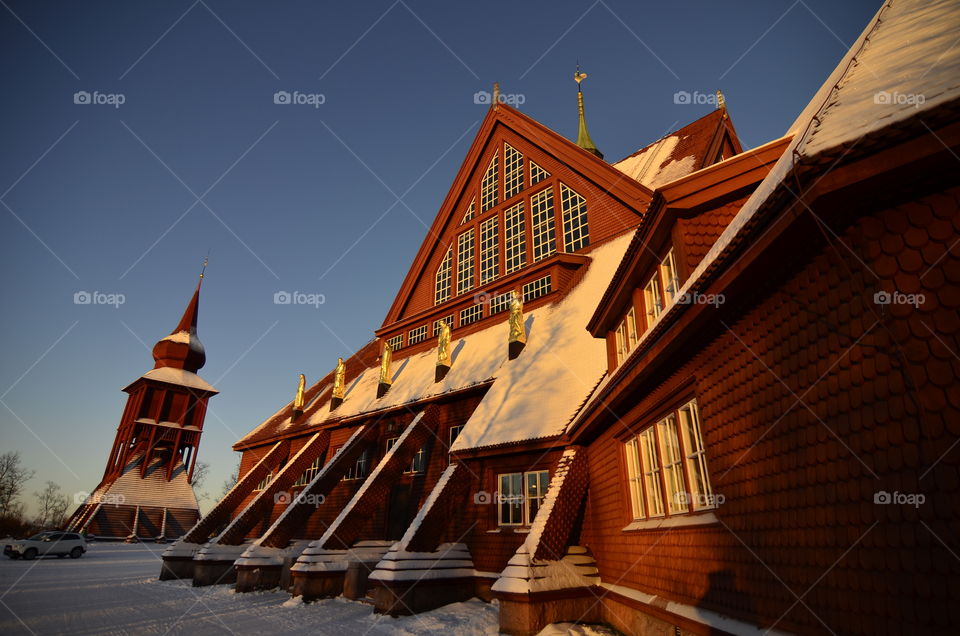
[{"x": 503, "y": 500}]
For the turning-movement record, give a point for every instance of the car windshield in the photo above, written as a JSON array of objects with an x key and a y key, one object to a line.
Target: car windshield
[{"x": 39, "y": 537}]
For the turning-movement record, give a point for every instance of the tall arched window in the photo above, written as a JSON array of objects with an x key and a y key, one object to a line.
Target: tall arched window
[{"x": 444, "y": 275}]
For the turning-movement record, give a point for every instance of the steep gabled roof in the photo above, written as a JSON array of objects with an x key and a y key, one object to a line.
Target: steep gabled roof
[
  {"x": 683, "y": 151},
  {"x": 503, "y": 120}
]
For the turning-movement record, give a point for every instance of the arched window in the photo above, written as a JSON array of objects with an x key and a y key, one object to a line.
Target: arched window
[{"x": 444, "y": 277}]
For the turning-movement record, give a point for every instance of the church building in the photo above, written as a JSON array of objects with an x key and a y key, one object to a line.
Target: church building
[{"x": 698, "y": 390}]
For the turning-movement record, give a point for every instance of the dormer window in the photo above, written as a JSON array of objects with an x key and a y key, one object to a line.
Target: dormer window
[
  {"x": 661, "y": 287},
  {"x": 626, "y": 335}
]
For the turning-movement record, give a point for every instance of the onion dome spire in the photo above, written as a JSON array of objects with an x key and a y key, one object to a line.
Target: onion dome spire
[
  {"x": 583, "y": 135},
  {"x": 182, "y": 349}
]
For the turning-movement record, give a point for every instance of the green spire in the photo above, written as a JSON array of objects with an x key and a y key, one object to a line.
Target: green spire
[{"x": 583, "y": 135}]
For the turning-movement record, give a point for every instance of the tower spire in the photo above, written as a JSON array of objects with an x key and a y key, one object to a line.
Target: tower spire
[
  {"x": 583, "y": 135},
  {"x": 182, "y": 349}
]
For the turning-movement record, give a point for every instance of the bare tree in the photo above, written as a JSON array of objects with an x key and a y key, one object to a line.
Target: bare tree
[
  {"x": 52, "y": 504},
  {"x": 200, "y": 472},
  {"x": 13, "y": 476},
  {"x": 231, "y": 481}
]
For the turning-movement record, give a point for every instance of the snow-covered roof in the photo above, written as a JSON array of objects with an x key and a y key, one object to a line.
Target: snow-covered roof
[
  {"x": 180, "y": 377},
  {"x": 153, "y": 489},
  {"x": 675, "y": 155},
  {"x": 185, "y": 337},
  {"x": 561, "y": 360},
  {"x": 908, "y": 49}
]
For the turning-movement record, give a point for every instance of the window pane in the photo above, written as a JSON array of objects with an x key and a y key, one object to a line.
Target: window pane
[
  {"x": 634, "y": 478},
  {"x": 700, "y": 489},
  {"x": 672, "y": 465},
  {"x": 668, "y": 269},
  {"x": 442, "y": 291},
  {"x": 542, "y": 219},
  {"x": 465, "y": 253},
  {"x": 574, "y": 207},
  {"x": 488, "y": 188},
  {"x": 651, "y": 473},
  {"x": 489, "y": 250},
  {"x": 515, "y": 244},
  {"x": 512, "y": 171},
  {"x": 652, "y": 298}
]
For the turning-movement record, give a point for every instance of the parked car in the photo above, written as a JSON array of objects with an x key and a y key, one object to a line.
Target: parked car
[{"x": 51, "y": 542}]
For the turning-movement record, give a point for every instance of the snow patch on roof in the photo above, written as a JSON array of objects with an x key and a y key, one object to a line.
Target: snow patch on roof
[
  {"x": 187, "y": 338},
  {"x": 180, "y": 377},
  {"x": 153, "y": 489},
  {"x": 644, "y": 166},
  {"x": 536, "y": 395}
]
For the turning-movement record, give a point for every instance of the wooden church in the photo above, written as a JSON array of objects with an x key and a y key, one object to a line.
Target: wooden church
[
  {"x": 684, "y": 392},
  {"x": 146, "y": 488}
]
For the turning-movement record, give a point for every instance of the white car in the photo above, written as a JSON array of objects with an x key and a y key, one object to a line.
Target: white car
[{"x": 51, "y": 542}]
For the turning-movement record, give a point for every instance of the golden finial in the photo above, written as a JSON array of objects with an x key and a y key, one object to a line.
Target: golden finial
[
  {"x": 339, "y": 376},
  {"x": 518, "y": 331},
  {"x": 578, "y": 76},
  {"x": 386, "y": 378},
  {"x": 298, "y": 401},
  {"x": 721, "y": 101},
  {"x": 583, "y": 135},
  {"x": 443, "y": 352},
  {"x": 206, "y": 259}
]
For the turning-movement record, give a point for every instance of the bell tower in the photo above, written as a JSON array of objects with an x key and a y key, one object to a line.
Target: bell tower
[{"x": 146, "y": 487}]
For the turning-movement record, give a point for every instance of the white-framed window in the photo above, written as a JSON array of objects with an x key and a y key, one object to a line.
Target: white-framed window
[
  {"x": 360, "y": 467},
  {"x": 396, "y": 342},
  {"x": 500, "y": 302},
  {"x": 471, "y": 209},
  {"x": 672, "y": 463},
  {"x": 653, "y": 298},
  {"x": 514, "y": 238},
  {"x": 489, "y": 249},
  {"x": 536, "y": 288},
  {"x": 576, "y": 234},
  {"x": 667, "y": 468},
  {"x": 465, "y": 255},
  {"x": 512, "y": 171},
  {"x": 471, "y": 314},
  {"x": 418, "y": 334},
  {"x": 520, "y": 496},
  {"x": 668, "y": 272},
  {"x": 264, "y": 482},
  {"x": 440, "y": 321},
  {"x": 537, "y": 174},
  {"x": 701, "y": 493},
  {"x": 634, "y": 478},
  {"x": 454, "y": 433},
  {"x": 542, "y": 220},
  {"x": 309, "y": 473},
  {"x": 444, "y": 276},
  {"x": 489, "y": 185},
  {"x": 418, "y": 464},
  {"x": 650, "y": 462},
  {"x": 626, "y": 335}
]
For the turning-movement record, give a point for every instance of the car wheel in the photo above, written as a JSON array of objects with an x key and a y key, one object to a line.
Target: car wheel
[
  {"x": 76, "y": 553},
  {"x": 30, "y": 554}
]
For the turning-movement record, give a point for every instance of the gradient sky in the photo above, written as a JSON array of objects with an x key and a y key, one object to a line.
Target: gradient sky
[{"x": 331, "y": 200}]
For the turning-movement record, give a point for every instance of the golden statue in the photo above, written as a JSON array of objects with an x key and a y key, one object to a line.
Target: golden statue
[
  {"x": 517, "y": 331},
  {"x": 339, "y": 375},
  {"x": 443, "y": 345},
  {"x": 298, "y": 401},
  {"x": 385, "y": 376}
]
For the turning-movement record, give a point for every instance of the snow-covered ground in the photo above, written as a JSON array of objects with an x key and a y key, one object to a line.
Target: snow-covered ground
[{"x": 114, "y": 589}]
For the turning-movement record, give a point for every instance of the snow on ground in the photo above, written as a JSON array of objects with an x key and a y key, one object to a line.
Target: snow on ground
[{"x": 113, "y": 589}]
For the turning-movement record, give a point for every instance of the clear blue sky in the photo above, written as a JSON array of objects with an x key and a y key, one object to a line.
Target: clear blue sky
[{"x": 96, "y": 198}]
